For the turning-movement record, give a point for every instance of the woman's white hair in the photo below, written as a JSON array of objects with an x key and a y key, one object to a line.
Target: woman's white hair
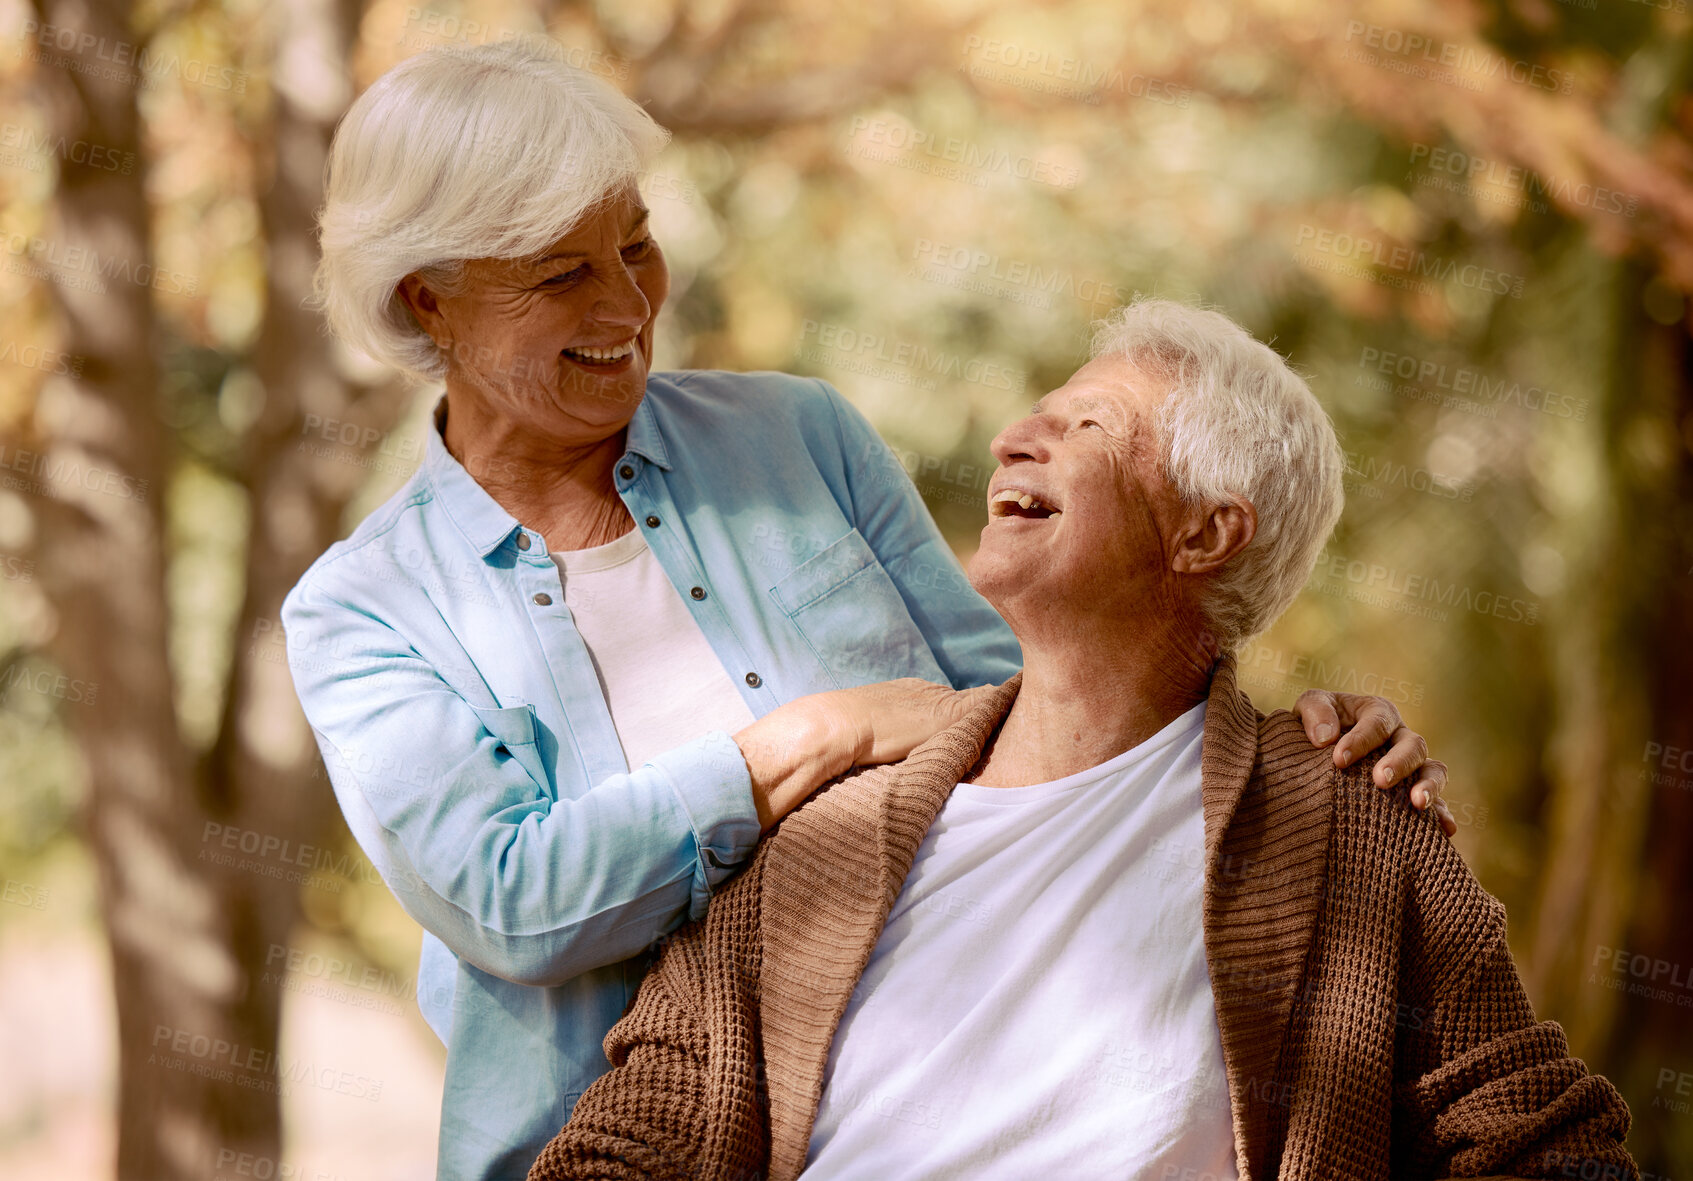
[
  {"x": 1237, "y": 421},
  {"x": 458, "y": 153}
]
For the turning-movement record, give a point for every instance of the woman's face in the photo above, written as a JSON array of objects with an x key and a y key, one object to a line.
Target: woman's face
[{"x": 560, "y": 344}]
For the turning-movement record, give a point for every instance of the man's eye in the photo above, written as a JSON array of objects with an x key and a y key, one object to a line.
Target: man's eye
[
  {"x": 1090, "y": 422},
  {"x": 564, "y": 280}
]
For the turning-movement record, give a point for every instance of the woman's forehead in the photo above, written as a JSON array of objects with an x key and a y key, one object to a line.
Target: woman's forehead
[
  {"x": 624, "y": 217},
  {"x": 621, "y": 219}
]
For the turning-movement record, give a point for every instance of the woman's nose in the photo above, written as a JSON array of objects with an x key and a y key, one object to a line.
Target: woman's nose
[{"x": 621, "y": 299}]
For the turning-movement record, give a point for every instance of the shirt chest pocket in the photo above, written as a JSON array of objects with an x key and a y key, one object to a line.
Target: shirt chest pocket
[{"x": 849, "y": 611}]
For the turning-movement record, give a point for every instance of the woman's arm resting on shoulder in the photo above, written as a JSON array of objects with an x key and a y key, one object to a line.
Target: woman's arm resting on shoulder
[
  {"x": 798, "y": 747},
  {"x": 527, "y": 887}
]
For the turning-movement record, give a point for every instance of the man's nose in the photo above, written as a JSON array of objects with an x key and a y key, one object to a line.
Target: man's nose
[{"x": 1024, "y": 439}]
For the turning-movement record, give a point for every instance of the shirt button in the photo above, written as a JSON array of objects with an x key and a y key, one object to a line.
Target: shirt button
[
  {"x": 754, "y": 680},
  {"x": 543, "y": 600},
  {"x": 652, "y": 522},
  {"x": 698, "y": 592},
  {"x": 626, "y": 472},
  {"x": 523, "y": 541}
]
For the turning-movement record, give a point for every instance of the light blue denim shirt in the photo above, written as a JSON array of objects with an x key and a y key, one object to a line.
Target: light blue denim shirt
[{"x": 473, "y": 754}]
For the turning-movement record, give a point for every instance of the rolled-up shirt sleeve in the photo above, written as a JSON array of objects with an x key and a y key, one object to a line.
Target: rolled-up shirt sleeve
[
  {"x": 709, "y": 776},
  {"x": 443, "y": 796}
]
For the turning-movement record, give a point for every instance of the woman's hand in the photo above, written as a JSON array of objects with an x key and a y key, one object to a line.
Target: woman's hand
[
  {"x": 1370, "y": 722},
  {"x": 883, "y": 723},
  {"x": 796, "y": 748}
]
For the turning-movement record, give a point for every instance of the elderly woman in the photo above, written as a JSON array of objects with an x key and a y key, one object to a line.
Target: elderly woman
[{"x": 561, "y": 680}]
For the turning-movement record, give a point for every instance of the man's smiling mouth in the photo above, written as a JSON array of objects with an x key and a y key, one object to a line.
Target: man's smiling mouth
[{"x": 1016, "y": 502}]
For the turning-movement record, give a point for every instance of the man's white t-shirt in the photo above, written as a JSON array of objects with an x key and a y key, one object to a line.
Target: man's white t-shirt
[
  {"x": 661, "y": 678},
  {"x": 1038, "y": 1005}
]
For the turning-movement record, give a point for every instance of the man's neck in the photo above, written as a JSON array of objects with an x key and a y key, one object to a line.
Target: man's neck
[{"x": 1083, "y": 702}]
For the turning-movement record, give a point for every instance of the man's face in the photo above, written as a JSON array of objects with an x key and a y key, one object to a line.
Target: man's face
[
  {"x": 562, "y": 343},
  {"x": 1092, "y": 539}
]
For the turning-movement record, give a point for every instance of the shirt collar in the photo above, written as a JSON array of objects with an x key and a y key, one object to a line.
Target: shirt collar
[
  {"x": 644, "y": 437},
  {"x": 479, "y": 516}
]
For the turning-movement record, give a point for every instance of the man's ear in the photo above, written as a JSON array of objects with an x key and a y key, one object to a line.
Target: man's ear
[
  {"x": 1219, "y": 535},
  {"x": 425, "y": 308}
]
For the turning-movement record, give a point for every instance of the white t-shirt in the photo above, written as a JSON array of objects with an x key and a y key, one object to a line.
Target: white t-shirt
[
  {"x": 661, "y": 679},
  {"x": 1037, "y": 1005}
]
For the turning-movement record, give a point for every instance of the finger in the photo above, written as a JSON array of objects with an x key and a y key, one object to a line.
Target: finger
[
  {"x": 1448, "y": 824},
  {"x": 1403, "y": 759},
  {"x": 1432, "y": 775},
  {"x": 1376, "y": 721},
  {"x": 1316, "y": 709}
]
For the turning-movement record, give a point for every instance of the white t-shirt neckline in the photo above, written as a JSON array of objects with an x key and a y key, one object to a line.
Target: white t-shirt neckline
[
  {"x": 1039, "y": 1003},
  {"x": 602, "y": 557},
  {"x": 1175, "y": 730}
]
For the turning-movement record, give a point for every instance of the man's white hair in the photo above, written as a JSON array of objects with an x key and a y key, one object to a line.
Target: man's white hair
[
  {"x": 1237, "y": 421},
  {"x": 458, "y": 153}
]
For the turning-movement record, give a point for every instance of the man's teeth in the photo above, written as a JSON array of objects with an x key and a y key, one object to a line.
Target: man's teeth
[
  {"x": 1023, "y": 500},
  {"x": 615, "y": 353}
]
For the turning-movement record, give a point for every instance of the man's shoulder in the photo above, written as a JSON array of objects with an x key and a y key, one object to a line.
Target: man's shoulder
[
  {"x": 1382, "y": 858},
  {"x": 1285, "y": 753},
  {"x": 1288, "y": 766},
  {"x": 831, "y": 840}
]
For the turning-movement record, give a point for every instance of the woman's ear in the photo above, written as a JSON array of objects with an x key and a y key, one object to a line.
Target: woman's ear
[
  {"x": 1223, "y": 532},
  {"x": 425, "y": 308}
]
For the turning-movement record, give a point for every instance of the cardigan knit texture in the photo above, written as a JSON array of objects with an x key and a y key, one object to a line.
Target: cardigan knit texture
[{"x": 1372, "y": 1021}]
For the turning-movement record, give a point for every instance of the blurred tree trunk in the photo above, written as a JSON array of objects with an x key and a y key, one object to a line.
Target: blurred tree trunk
[
  {"x": 258, "y": 776},
  {"x": 1597, "y": 807},
  {"x": 102, "y": 559},
  {"x": 1653, "y": 1034},
  {"x": 190, "y": 939},
  {"x": 1634, "y": 615},
  {"x": 1613, "y": 802}
]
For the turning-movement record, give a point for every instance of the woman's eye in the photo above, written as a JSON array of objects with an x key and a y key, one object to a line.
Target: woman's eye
[
  {"x": 639, "y": 249},
  {"x": 565, "y": 279},
  {"x": 1086, "y": 422}
]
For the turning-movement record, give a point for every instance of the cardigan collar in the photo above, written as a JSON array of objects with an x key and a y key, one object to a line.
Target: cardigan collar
[{"x": 849, "y": 850}]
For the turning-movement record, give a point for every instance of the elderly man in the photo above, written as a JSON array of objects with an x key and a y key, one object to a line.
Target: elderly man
[{"x": 1113, "y": 923}]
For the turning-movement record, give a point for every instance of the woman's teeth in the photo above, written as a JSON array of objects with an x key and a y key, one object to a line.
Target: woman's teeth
[{"x": 601, "y": 356}]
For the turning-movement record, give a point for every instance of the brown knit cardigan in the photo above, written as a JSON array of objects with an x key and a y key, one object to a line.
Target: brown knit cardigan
[{"x": 1372, "y": 1022}]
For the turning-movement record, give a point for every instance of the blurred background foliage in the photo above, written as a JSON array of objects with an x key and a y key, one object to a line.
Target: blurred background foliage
[{"x": 1471, "y": 224}]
